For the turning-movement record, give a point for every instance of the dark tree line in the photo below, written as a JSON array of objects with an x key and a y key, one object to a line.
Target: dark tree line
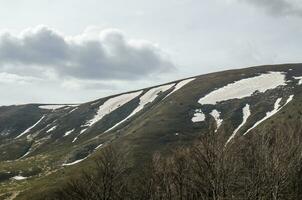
[{"x": 254, "y": 167}]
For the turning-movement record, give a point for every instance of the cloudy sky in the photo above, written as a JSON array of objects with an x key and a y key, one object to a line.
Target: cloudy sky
[{"x": 69, "y": 51}]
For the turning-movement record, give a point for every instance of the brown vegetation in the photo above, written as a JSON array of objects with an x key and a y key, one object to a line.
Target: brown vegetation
[{"x": 257, "y": 166}]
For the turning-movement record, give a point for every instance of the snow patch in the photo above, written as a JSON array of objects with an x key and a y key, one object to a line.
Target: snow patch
[
  {"x": 180, "y": 85},
  {"x": 19, "y": 178},
  {"x": 28, "y": 152},
  {"x": 246, "y": 113},
  {"x": 245, "y": 87},
  {"x": 75, "y": 162},
  {"x": 111, "y": 105},
  {"x": 82, "y": 131},
  {"x": 68, "y": 132},
  {"x": 148, "y": 97},
  {"x": 98, "y": 146},
  {"x": 198, "y": 116},
  {"x": 82, "y": 159},
  {"x": 298, "y": 78},
  {"x": 73, "y": 110},
  {"x": 108, "y": 106},
  {"x": 94, "y": 103},
  {"x": 27, "y": 130},
  {"x": 55, "y": 106},
  {"x": 269, "y": 114},
  {"x": 216, "y": 115},
  {"x": 51, "y": 129},
  {"x": 290, "y": 98}
]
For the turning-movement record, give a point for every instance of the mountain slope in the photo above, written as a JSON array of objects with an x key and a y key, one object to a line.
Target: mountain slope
[{"x": 41, "y": 144}]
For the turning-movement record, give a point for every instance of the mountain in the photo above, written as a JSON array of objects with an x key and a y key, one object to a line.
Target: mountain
[{"x": 41, "y": 144}]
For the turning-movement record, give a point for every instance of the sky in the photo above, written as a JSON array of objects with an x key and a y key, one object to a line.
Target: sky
[{"x": 73, "y": 51}]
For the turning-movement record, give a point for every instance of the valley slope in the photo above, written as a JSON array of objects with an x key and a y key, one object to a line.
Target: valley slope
[{"x": 41, "y": 144}]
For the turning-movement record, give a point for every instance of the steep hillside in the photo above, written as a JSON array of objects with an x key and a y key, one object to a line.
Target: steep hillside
[{"x": 41, "y": 144}]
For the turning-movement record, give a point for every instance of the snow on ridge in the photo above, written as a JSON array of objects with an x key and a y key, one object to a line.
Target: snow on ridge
[
  {"x": 245, "y": 87},
  {"x": 198, "y": 116},
  {"x": 73, "y": 110},
  {"x": 246, "y": 113},
  {"x": 216, "y": 115},
  {"x": 107, "y": 107},
  {"x": 27, "y": 130},
  {"x": 112, "y": 104},
  {"x": 180, "y": 84},
  {"x": 268, "y": 115},
  {"x": 146, "y": 98},
  {"x": 299, "y": 78},
  {"x": 68, "y": 132},
  {"x": 277, "y": 108},
  {"x": 94, "y": 103},
  {"x": 55, "y": 106}
]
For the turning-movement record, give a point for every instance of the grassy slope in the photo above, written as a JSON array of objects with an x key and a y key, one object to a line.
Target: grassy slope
[{"x": 155, "y": 129}]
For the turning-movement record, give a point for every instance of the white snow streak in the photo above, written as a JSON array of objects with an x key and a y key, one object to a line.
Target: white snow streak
[
  {"x": 27, "y": 130},
  {"x": 75, "y": 162},
  {"x": 82, "y": 131},
  {"x": 28, "y": 152},
  {"x": 290, "y": 98},
  {"x": 111, "y": 105},
  {"x": 98, "y": 146},
  {"x": 180, "y": 85},
  {"x": 94, "y": 103},
  {"x": 245, "y": 87},
  {"x": 216, "y": 115},
  {"x": 54, "y": 107},
  {"x": 148, "y": 97},
  {"x": 73, "y": 110},
  {"x": 198, "y": 116},
  {"x": 19, "y": 178},
  {"x": 80, "y": 160},
  {"x": 51, "y": 129},
  {"x": 269, "y": 114},
  {"x": 246, "y": 113},
  {"x": 68, "y": 132},
  {"x": 299, "y": 78}
]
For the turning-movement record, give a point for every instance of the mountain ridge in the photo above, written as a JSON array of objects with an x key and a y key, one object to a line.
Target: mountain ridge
[{"x": 144, "y": 121}]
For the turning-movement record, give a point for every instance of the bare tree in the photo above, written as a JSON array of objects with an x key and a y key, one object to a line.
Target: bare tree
[
  {"x": 105, "y": 181},
  {"x": 260, "y": 166},
  {"x": 273, "y": 164}
]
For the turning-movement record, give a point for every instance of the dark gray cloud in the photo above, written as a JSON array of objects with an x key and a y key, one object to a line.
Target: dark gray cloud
[
  {"x": 106, "y": 55},
  {"x": 279, "y": 7}
]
